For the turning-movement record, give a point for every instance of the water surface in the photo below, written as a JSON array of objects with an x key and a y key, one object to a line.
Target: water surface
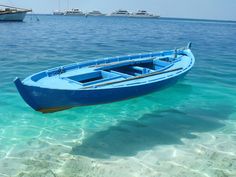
[{"x": 186, "y": 130}]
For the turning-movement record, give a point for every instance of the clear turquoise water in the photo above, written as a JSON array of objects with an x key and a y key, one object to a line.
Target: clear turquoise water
[{"x": 188, "y": 129}]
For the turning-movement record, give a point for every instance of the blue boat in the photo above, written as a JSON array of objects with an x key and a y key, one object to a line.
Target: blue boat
[{"x": 104, "y": 80}]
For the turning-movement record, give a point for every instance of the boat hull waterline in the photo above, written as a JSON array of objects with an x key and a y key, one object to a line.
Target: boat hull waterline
[
  {"x": 105, "y": 80},
  {"x": 17, "y": 16}
]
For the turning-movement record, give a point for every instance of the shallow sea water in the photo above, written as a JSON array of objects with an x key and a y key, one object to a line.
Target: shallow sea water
[{"x": 186, "y": 130}]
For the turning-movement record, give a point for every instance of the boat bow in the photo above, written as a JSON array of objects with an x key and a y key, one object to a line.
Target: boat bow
[{"x": 25, "y": 94}]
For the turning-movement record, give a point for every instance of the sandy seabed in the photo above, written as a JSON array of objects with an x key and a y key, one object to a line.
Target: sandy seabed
[{"x": 211, "y": 154}]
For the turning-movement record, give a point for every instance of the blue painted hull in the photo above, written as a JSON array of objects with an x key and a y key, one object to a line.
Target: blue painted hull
[
  {"x": 48, "y": 100},
  {"x": 104, "y": 81}
]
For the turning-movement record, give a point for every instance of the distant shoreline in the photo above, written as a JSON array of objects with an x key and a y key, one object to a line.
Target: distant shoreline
[{"x": 165, "y": 18}]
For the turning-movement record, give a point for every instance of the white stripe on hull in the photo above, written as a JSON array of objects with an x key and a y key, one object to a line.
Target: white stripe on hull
[{"x": 18, "y": 16}]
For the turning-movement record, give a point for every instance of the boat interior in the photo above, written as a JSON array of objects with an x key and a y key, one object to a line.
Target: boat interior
[
  {"x": 122, "y": 70},
  {"x": 100, "y": 72}
]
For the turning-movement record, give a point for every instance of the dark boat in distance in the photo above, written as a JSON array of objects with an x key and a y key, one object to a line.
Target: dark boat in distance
[
  {"x": 105, "y": 80},
  {"x": 9, "y": 13}
]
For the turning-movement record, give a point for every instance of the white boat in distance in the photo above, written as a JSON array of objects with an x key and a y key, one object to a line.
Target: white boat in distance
[
  {"x": 74, "y": 12},
  {"x": 95, "y": 13},
  {"x": 120, "y": 13},
  {"x": 58, "y": 12},
  {"x": 9, "y": 13},
  {"x": 143, "y": 14}
]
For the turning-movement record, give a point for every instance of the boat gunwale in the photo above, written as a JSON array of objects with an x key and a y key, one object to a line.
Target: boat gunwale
[{"x": 85, "y": 64}]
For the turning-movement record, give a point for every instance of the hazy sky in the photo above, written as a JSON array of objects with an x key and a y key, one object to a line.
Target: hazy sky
[{"x": 203, "y": 9}]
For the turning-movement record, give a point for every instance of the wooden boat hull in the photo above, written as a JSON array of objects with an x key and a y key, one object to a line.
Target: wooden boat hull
[{"x": 46, "y": 100}]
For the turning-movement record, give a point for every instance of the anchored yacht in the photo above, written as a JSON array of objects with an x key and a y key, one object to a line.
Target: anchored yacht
[
  {"x": 143, "y": 14},
  {"x": 120, "y": 13},
  {"x": 58, "y": 12},
  {"x": 74, "y": 12},
  {"x": 95, "y": 13}
]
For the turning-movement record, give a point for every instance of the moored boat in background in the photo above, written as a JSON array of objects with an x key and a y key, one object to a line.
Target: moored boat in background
[
  {"x": 95, "y": 13},
  {"x": 58, "y": 12},
  {"x": 74, "y": 12},
  {"x": 120, "y": 13},
  {"x": 9, "y": 13},
  {"x": 105, "y": 80},
  {"x": 143, "y": 14}
]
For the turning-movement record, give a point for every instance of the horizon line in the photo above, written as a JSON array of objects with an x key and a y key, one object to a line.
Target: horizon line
[{"x": 165, "y": 17}]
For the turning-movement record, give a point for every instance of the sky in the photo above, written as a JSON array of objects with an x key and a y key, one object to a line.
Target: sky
[{"x": 199, "y": 9}]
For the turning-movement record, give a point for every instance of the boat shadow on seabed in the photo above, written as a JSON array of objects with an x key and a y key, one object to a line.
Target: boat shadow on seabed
[{"x": 157, "y": 128}]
